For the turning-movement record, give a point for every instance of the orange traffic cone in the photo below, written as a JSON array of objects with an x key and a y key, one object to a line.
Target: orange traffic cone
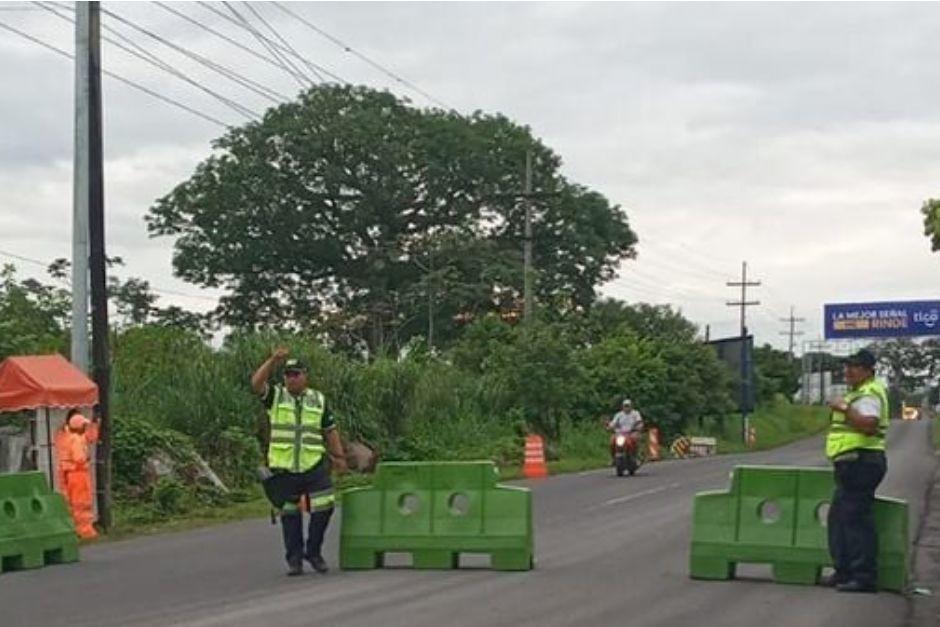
[
  {"x": 654, "y": 452},
  {"x": 534, "y": 466}
]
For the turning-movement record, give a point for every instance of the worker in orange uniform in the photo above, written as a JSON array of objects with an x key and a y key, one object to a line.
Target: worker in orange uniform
[{"x": 73, "y": 467}]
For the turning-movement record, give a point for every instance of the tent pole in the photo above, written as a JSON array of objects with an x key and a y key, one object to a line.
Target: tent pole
[{"x": 49, "y": 451}]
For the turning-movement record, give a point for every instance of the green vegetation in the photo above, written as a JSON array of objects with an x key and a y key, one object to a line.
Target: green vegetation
[
  {"x": 776, "y": 424},
  {"x": 382, "y": 243}
]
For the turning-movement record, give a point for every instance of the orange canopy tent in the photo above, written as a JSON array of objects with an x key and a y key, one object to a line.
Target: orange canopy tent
[
  {"x": 47, "y": 385},
  {"x": 40, "y": 381}
]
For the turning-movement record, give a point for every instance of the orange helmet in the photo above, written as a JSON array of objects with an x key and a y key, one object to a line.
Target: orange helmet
[{"x": 77, "y": 422}]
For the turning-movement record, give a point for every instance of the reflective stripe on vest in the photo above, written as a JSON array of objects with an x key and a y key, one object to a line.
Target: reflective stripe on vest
[
  {"x": 843, "y": 438},
  {"x": 296, "y": 430}
]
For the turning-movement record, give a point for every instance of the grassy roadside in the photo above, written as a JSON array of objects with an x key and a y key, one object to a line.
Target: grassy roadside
[
  {"x": 776, "y": 425},
  {"x": 582, "y": 449}
]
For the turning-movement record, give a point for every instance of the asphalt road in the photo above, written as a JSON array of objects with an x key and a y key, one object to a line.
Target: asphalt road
[{"x": 609, "y": 551}]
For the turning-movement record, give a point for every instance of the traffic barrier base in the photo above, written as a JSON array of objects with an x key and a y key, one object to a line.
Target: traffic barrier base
[
  {"x": 436, "y": 511},
  {"x": 36, "y": 528},
  {"x": 777, "y": 515}
]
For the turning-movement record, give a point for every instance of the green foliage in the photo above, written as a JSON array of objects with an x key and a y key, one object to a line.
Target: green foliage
[
  {"x": 776, "y": 373},
  {"x": 351, "y": 213},
  {"x": 170, "y": 496},
  {"x": 931, "y": 212},
  {"x": 33, "y": 316},
  {"x": 135, "y": 439}
]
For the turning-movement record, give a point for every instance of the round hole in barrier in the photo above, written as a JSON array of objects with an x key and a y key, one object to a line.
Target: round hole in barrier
[
  {"x": 9, "y": 509},
  {"x": 822, "y": 513},
  {"x": 408, "y": 504},
  {"x": 769, "y": 512},
  {"x": 37, "y": 505},
  {"x": 459, "y": 504}
]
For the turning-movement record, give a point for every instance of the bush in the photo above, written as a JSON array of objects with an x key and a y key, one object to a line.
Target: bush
[{"x": 170, "y": 497}]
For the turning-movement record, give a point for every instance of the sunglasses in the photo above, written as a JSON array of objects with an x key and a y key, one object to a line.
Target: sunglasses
[{"x": 293, "y": 373}]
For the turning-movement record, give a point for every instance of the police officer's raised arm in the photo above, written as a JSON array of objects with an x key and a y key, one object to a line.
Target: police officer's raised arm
[{"x": 260, "y": 378}]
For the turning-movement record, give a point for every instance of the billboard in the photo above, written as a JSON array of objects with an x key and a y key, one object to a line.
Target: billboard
[
  {"x": 729, "y": 351},
  {"x": 890, "y": 319}
]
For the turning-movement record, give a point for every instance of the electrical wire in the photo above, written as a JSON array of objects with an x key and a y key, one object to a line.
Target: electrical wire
[
  {"x": 140, "y": 52},
  {"x": 361, "y": 56},
  {"x": 118, "y": 77}
]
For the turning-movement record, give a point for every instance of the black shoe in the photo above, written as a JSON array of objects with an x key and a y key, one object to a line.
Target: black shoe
[
  {"x": 855, "y": 586},
  {"x": 319, "y": 564},
  {"x": 295, "y": 567}
]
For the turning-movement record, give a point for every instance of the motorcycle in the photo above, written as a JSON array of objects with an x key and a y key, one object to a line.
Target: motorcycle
[{"x": 625, "y": 454}]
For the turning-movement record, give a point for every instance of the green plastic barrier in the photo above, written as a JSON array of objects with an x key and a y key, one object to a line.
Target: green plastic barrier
[
  {"x": 777, "y": 515},
  {"x": 435, "y": 511},
  {"x": 36, "y": 528}
]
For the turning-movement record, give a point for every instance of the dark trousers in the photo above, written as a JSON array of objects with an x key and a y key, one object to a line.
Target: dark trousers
[
  {"x": 292, "y": 527},
  {"x": 287, "y": 491},
  {"x": 853, "y": 542}
]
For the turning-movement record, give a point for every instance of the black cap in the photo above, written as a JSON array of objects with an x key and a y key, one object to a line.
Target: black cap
[
  {"x": 863, "y": 358},
  {"x": 295, "y": 364}
]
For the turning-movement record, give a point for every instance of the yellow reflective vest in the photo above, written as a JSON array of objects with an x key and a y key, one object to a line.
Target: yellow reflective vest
[
  {"x": 843, "y": 437},
  {"x": 296, "y": 430}
]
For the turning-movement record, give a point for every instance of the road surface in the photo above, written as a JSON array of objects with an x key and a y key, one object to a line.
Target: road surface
[{"x": 609, "y": 551}]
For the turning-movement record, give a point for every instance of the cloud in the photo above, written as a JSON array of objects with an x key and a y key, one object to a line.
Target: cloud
[{"x": 801, "y": 137}]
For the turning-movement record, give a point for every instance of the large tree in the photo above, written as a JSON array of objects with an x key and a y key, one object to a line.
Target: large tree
[{"x": 351, "y": 209}]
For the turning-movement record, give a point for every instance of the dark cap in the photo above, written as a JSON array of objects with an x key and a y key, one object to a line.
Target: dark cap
[
  {"x": 863, "y": 358},
  {"x": 295, "y": 364}
]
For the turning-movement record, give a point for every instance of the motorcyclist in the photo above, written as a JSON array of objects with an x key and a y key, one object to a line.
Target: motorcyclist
[{"x": 627, "y": 421}]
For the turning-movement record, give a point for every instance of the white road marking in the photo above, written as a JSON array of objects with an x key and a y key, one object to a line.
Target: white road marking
[{"x": 636, "y": 495}]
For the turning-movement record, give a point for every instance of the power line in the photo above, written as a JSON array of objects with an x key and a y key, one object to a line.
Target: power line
[
  {"x": 140, "y": 52},
  {"x": 158, "y": 290},
  {"x": 118, "y": 77},
  {"x": 221, "y": 35},
  {"x": 282, "y": 40},
  {"x": 361, "y": 56},
  {"x": 285, "y": 65},
  {"x": 310, "y": 64},
  {"x": 212, "y": 65}
]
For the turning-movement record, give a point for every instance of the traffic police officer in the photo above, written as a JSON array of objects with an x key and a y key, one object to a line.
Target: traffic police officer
[
  {"x": 856, "y": 447},
  {"x": 297, "y": 473}
]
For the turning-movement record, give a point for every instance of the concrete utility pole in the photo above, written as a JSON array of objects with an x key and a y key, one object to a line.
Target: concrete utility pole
[
  {"x": 792, "y": 332},
  {"x": 527, "y": 249},
  {"x": 88, "y": 55},
  {"x": 744, "y": 303},
  {"x": 80, "y": 193}
]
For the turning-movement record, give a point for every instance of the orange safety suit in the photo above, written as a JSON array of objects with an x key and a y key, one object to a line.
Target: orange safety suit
[{"x": 73, "y": 471}]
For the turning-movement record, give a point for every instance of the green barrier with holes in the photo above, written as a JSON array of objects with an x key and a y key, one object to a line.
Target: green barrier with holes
[
  {"x": 35, "y": 526},
  {"x": 435, "y": 511},
  {"x": 776, "y": 515}
]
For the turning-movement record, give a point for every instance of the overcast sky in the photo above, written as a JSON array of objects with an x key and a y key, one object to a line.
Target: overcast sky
[{"x": 802, "y": 138}]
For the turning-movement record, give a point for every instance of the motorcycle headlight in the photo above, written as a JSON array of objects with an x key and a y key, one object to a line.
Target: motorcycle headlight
[{"x": 621, "y": 440}]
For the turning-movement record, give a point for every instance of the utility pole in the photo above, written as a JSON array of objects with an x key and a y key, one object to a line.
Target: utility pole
[
  {"x": 744, "y": 303},
  {"x": 527, "y": 249},
  {"x": 97, "y": 255},
  {"x": 792, "y": 332},
  {"x": 79, "y": 351},
  {"x": 430, "y": 300}
]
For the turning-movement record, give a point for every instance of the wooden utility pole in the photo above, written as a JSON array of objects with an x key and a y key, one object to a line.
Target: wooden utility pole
[
  {"x": 527, "y": 248},
  {"x": 744, "y": 303},
  {"x": 792, "y": 332},
  {"x": 97, "y": 258}
]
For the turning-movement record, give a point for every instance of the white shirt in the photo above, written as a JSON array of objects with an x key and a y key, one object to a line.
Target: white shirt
[
  {"x": 868, "y": 406},
  {"x": 624, "y": 422}
]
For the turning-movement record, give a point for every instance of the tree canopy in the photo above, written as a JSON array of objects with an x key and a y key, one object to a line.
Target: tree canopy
[
  {"x": 352, "y": 211},
  {"x": 931, "y": 211}
]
